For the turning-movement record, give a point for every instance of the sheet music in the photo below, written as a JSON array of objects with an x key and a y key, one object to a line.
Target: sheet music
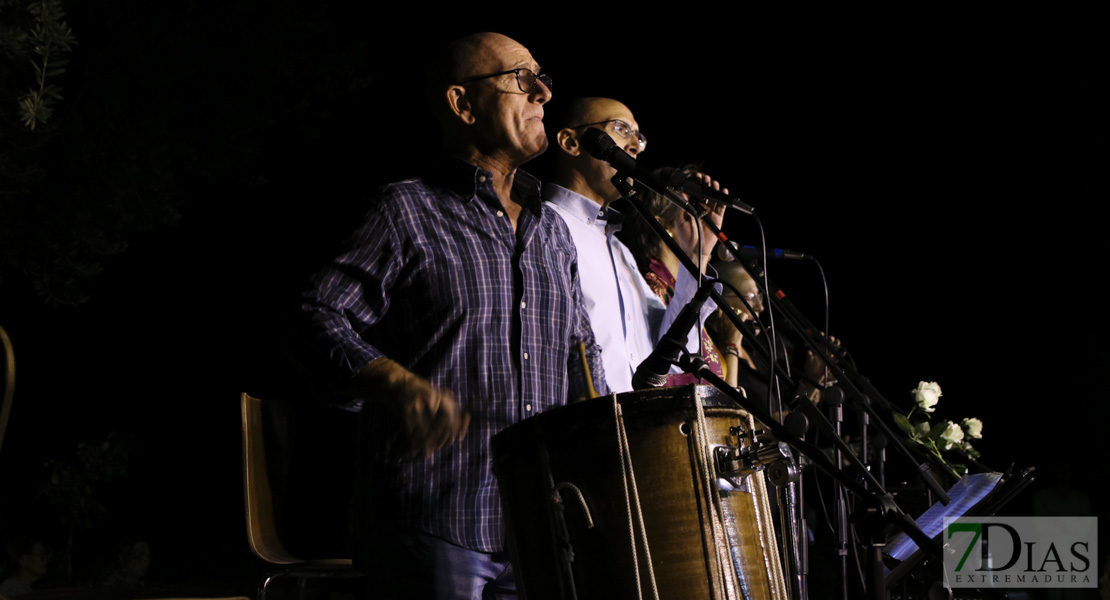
[{"x": 968, "y": 492}]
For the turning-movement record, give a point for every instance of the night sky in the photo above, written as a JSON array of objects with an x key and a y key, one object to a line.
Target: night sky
[{"x": 945, "y": 170}]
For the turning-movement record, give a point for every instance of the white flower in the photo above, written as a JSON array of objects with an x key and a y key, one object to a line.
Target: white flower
[
  {"x": 927, "y": 395},
  {"x": 952, "y": 435},
  {"x": 973, "y": 428}
]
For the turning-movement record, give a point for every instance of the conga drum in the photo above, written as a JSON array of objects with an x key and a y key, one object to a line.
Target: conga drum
[{"x": 639, "y": 495}]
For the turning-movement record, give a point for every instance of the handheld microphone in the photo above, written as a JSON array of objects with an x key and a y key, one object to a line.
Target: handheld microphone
[
  {"x": 602, "y": 147},
  {"x": 682, "y": 181}
]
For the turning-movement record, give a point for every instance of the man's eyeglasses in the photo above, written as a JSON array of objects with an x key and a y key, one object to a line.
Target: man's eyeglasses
[
  {"x": 525, "y": 79},
  {"x": 621, "y": 128}
]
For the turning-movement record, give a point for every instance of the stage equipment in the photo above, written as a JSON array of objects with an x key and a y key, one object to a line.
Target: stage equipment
[{"x": 653, "y": 494}]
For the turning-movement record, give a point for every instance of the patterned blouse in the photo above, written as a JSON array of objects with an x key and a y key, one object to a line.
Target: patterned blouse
[{"x": 662, "y": 282}]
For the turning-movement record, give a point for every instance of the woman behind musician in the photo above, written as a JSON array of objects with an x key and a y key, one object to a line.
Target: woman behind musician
[
  {"x": 660, "y": 266},
  {"x": 743, "y": 367},
  {"x": 722, "y": 346}
]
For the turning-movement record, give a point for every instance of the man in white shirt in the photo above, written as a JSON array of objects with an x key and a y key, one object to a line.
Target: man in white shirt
[{"x": 627, "y": 317}]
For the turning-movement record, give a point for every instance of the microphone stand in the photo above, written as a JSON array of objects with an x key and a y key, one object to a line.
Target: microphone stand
[
  {"x": 799, "y": 324},
  {"x": 822, "y": 346},
  {"x": 836, "y": 415},
  {"x": 881, "y": 505},
  {"x": 860, "y": 391}
]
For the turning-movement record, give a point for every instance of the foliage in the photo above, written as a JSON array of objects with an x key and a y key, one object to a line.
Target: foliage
[
  {"x": 49, "y": 40},
  {"x": 75, "y": 480},
  {"x": 74, "y": 491},
  {"x": 34, "y": 34},
  {"x": 165, "y": 104}
]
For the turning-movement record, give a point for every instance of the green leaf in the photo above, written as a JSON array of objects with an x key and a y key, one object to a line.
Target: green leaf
[{"x": 904, "y": 424}]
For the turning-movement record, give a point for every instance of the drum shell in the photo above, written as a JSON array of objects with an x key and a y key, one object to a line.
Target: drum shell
[{"x": 579, "y": 445}]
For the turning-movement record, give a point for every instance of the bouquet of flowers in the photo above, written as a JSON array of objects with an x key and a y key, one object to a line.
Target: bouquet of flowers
[{"x": 943, "y": 435}]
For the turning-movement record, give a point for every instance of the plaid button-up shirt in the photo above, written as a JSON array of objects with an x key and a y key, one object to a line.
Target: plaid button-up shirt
[{"x": 437, "y": 280}]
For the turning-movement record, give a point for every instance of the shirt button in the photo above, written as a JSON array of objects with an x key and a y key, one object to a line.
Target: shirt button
[
  {"x": 523, "y": 304},
  {"x": 632, "y": 356},
  {"x": 525, "y": 356},
  {"x": 482, "y": 178},
  {"x": 528, "y": 407},
  {"x": 501, "y": 213}
]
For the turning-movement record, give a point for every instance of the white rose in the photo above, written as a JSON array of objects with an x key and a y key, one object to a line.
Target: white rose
[
  {"x": 927, "y": 395},
  {"x": 952, "y": 435},
  {"x": 973, "y": 428}
]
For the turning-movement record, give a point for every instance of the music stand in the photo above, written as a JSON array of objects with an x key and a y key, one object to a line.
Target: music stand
[{"x": 980, "y": 494}]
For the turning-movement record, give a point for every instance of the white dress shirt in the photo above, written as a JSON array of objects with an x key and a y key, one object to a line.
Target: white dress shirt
[{"x": 627, "y": 317}]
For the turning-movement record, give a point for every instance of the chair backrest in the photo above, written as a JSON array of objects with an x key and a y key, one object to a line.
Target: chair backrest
[
  {"x": 9, "y": 383},
  {"x": 261, "y": 523}
]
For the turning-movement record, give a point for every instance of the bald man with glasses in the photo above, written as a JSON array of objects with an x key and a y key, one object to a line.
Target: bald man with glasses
[
  {"x": 627, "y": 317},
  {"x": 455, "y": 312}
]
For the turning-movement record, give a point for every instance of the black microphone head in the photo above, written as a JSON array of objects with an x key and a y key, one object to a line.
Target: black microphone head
[
  {"x": 796, "y": 423},
  {"x": 833, "y": 396},
  {"x": 598, "y": 143}
]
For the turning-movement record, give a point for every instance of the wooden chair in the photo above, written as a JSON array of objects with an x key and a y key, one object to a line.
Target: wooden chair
[
  {"x": 9, "y": 382},
  {"x": 262, "y": 531}
]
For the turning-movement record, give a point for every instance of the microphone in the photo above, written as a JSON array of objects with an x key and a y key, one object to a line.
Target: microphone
[
  {"x": 753, "y": 253},
  {"x": 599, "y": 145},
  {"x": 602, "y": 147},
  {"x": 652, "y": 372},
  {"x": 682, "y": 181}
]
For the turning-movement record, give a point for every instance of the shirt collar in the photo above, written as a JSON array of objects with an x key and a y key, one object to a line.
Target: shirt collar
[
  {"x": 583, "y": 209},
  {"x": 470, "y": 182}
]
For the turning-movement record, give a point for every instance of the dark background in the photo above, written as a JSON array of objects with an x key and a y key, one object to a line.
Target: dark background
[{"x": 946, "y": 169}]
